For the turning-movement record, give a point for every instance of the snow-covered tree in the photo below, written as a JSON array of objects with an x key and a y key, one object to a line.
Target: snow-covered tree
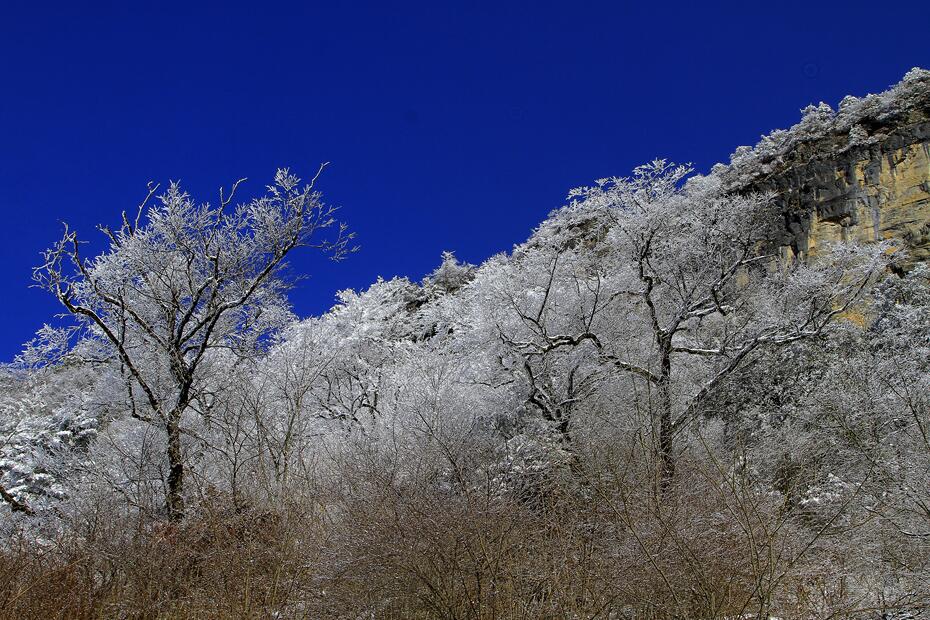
[
  {"x": 181, "y": 285},
  {"x": 686, "y": 286}
]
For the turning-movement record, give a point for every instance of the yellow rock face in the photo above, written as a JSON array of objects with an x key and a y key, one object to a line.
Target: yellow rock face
[
  {"x": 887, "y": 198},
  {"x": 857, "y": 174}
]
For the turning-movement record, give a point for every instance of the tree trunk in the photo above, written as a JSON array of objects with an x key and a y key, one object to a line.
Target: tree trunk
[
  {"x": 15, "y": 504},
  {"x": 666, "y": 446},
  {"x": 174, "y": 501}
]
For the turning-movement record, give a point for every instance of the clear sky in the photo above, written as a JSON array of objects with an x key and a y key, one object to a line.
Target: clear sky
[{"x": 449, "y": 125}]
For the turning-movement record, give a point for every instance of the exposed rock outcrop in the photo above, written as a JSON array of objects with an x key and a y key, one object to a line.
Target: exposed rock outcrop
[{"x": 861, "y": 173}]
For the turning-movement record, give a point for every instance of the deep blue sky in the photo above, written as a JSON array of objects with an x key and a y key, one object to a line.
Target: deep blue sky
[{"x": 449, "y": 125}]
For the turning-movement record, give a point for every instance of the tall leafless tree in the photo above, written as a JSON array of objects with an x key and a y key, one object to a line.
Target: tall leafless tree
[{"x": 180, "y": 282}]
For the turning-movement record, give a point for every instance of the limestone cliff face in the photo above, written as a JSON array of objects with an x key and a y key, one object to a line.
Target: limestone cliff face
[{"x": 862, "y": 173}]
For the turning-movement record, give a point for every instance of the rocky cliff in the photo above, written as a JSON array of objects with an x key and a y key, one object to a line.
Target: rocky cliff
[{"x": 861, "y": 172}]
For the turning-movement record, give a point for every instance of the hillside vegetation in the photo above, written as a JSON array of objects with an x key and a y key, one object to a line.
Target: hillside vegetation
[{"x": 647, "y": 410}]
